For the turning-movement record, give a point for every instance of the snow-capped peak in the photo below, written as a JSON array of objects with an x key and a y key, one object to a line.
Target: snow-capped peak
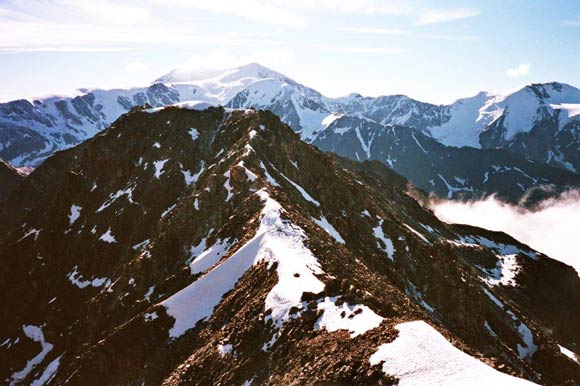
[{"x": 252, "y": 71}]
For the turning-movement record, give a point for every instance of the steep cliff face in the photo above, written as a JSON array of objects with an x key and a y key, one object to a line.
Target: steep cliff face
[
  {"x": 214, "y": 247},
  {"x": 448, "y": 172},
  {"x": 32, "y": 130},
  {"x": 525, "y": 145},
  {"x": 10, "y": 177},
  {"x": 539, "y": 121}
]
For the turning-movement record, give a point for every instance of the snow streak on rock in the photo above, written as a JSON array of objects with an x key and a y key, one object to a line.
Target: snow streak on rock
[{"x": 276, "y": 241}]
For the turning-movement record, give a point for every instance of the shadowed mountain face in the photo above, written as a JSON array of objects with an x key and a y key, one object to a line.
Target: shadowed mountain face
[
  {"x": 448, "y": 172},
  {"x": 10, "y": 177},
  {"x": 214, "y": 247},
  {"x": 535, "y": 127}
]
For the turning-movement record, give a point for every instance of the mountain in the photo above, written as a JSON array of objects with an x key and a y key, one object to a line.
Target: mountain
[
  {"x": 303, "y": 108},
  {"x": 448, "y": 172},
  {"x": 540, "y": 121},
  {"x": 184, "y": 246},
  {"x": 10, "y": 177},
  {"x": 243, "y": 75},
  {"x": 538, "y": 125},
  {"x": 31, "y": 131}
]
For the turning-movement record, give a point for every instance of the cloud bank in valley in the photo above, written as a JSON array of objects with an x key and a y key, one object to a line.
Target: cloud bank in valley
[{"x": 552, "y": 228}]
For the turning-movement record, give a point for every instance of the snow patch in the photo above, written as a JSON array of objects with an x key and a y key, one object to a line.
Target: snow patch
[
  {"x": 77, "y": 279},
  {"x": 193, "y": 133},
  {"x": 75, "y": 213},
  {"x": 249, "y": 174},
  {"x": 571, "y": 109},
  {"x": 528, "y": 348},
  {"x": 324, "y": 224},
  {"x": 48, "y": 373},
  {"x": 34, "y": 333},
  {"x": 108, "y": 237},
  {"x": 150, "y": 316},
  {"x": 128, "y": 192},
  {"x": 225, "y": 349},
  {"x": 570, "y": 354},
  {"x": 228, "y": 186},
  {"x": 31, "y": 231},
  {"x": 159, "y": 167},
  {"x": 505, "y": 272},
  {"x": 303, "y": 192},
  {"x": 388, "y": 248},
  {"x": 191, "y": 179},
  {"x": 203, "y": 258},
  {"x": 166, "y": 211},
  {"x": 419, "y": 144},
  {"x": 141, "y": 245},
  {"x": 327, "y": 121},
  {"x": 417, "y": 234},
  {"x": 271, "y": 180},
  {"x": 357, "y": 319},
  {"x": 420, "y": 355}
]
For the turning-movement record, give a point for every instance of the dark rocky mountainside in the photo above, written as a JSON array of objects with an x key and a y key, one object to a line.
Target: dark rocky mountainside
[
  {"x": 10, "y": 177},
  {"x": 477, "y": 146},
  {"x": 535, "y": 126},
  {"x": 30, "y": 132},
  {"x": 213, "y": 247},
  {"x": 448, "y": 172},
  {"x": 541, "y": 122}
]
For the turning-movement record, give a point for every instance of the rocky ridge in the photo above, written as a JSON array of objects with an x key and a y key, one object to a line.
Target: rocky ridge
[{"x": 193, "y": 247}]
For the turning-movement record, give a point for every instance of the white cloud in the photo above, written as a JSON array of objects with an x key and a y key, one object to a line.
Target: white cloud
[
  {"x": 274, "y": 57},
  {"x": 221, "y": 58},
  {"x": 362, "y": 50},
  {"x": 218, "y": 58},
  {"x": 265, "y": 12},
  {"x": 519, "y": 71},
  {"x": 112, "y": 12},
  {"x": 24, "y": 36},
  {"x": 136, "y": 66},
  {"x": 107, "y": 26},
  {"x": 372, "y": 31},
  {"x": 452, "y": 38},
  {"x": 83, "y": 26},
  {"x": 551, "y": 229},
  {"x": 350, "y": 7},
  {"x": 436, "y": 16},
  {"x": 62, "y": 48}
]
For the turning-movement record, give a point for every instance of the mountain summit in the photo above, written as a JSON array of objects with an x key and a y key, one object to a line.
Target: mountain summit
[
  {"x": 184, "y": 247},
  {"x": 477, "y": 146},
  {"x": 251, "y": 72}
]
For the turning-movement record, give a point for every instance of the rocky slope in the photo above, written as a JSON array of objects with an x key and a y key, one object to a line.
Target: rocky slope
[
  {"x": 537, "y": 124},
  {"x": 540, "y": 121},
  {"x": 10, "y": 177},
  {"x": 448, "y": 172},
  {"x": 214, "y": 247},
  {"x": 31, "y": 131}
]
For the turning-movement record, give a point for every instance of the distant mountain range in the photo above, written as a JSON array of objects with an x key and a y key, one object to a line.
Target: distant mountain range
[
  {"x": 451, "y": 150},
  {"x": 214, "y": 247}
]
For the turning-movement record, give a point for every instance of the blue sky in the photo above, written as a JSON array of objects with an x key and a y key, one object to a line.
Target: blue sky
[{"x": 436, "y": 51}]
